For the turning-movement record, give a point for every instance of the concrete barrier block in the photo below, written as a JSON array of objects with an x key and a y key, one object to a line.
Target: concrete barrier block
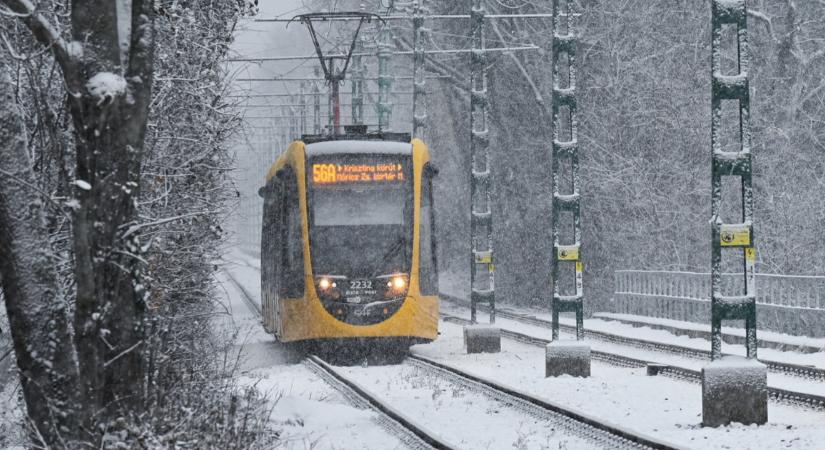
[
  {"x": 567, "y": 358},
  {"x": 654, "y": 369},
  {"x": 734, "y": 389},
  {"x": 482, "y": 339}
]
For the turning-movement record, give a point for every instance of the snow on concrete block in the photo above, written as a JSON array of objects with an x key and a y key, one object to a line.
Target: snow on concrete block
[
  {"x": 567, "y": 358},
  {"x": 482, "y": 339},
  {"x": 734, "y": 389}
]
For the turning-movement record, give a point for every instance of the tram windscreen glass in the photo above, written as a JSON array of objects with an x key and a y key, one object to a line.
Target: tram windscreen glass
[{"x": 359, "y": 212}]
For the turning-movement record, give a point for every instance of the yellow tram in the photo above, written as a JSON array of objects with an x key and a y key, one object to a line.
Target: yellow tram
[{"x": 348, "y": 246}]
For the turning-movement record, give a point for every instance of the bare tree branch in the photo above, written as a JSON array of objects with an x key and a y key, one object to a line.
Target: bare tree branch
[{"x": 48, "y": 36}]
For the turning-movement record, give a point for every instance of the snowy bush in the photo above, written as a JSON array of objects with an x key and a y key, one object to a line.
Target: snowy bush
[{"x": 184, "y": 393}]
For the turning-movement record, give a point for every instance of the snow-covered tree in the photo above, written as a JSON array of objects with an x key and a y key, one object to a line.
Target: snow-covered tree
[{"x": 113, "y": 188}]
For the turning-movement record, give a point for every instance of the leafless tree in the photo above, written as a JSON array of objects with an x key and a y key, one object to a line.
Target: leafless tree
[{"x": 97, "y": 274}]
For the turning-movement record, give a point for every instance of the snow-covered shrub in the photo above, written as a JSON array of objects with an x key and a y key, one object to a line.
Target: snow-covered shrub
[{"x": 186, "y": 396}]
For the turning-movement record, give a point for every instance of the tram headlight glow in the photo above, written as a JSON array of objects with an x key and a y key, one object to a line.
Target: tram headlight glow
[
  {"x": 399, "y": 283},
  {"x": 325, "y": 283}
]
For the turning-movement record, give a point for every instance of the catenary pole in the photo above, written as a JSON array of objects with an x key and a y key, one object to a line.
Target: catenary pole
[
  {"x": 565, "y": 151},
  {"x": 419, "y": 104},
  {"x": 724, "y": 236},
  {"x": 481, "y": 218}
]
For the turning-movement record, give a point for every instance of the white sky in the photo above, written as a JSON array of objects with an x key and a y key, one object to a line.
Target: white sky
[{"x": 273, "y": 39}]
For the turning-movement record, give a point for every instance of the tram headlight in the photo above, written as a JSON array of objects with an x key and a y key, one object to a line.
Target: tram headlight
[
  {"x": 396, "y": 285},
  {"x": 325, "y": 284},
  {"x": 399, "y": 283}
]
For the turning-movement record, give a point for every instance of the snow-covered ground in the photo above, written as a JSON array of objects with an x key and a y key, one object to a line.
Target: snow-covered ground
[
  {"x": 312, "y": 415},
  {"x": 662, "y": 407},
  {"x": 308, "y": 412},
  {"x": 779, "y": 380},
  {"x": 783, "y": 338},
  {"x": 451, "y": 285},
  {"x": 462, "y": 417}
]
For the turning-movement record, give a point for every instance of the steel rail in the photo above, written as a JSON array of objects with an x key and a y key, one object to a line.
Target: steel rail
[
  {"x": 403, "y": 428},
  {"x": 399, "y": 423},
  {"x": 780, "y": 395},
  {"x": 246, "y": 296},
  {"x": 797, "y": 370},
  {"x": 608, "y": 431}
]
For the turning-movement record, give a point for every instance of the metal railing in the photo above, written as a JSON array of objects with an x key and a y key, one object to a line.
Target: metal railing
[{"x": 785, "y": 303}]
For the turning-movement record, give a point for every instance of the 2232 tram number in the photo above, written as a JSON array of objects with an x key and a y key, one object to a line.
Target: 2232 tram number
[{"x": 360, "y": 284}]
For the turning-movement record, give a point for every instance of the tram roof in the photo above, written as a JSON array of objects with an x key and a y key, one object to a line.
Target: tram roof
[{"x": 362, "y": 147}]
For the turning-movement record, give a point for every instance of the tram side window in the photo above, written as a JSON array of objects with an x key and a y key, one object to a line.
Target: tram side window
[
  {"x": 292, "y": 281},
  {"x": 428, "y": 269}
]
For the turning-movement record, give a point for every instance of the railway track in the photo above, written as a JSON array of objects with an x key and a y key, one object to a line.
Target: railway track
[
  {"x": 780, "y": 395},
  {"x": 797, "y": 370},
  {"x": 245, "y": 295},
  {"x": 413, "y": 435},
  {"x": 603, "y": 434}
]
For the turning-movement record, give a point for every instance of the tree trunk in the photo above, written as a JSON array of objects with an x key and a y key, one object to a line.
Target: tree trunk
[
  {"x": 109, "y": 105},
  {"x": 109, "y": 126},
  {"x": 36, "y": 305}
]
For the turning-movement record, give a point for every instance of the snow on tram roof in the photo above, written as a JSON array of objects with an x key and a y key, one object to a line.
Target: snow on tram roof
[{"x": 358, "y": 147}]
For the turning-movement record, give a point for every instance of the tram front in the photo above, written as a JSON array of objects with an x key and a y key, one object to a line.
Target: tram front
[{"x": 360, "y": 211}]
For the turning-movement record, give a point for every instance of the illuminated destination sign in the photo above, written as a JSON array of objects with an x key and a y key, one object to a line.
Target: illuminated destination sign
[{"x": 357, "y": 173}]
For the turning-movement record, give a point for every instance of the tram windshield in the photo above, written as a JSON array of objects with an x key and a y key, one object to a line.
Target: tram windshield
[{"x": 361, "y": 215}]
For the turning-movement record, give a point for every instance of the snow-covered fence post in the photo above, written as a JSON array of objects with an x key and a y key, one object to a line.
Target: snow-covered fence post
[
  {"x": 564, "y": 95},
  {"x": 733, "y": 389},
  {"x": 480, "y": 338},
  {"x": 731, "y": 87},
  {"x": 419, "y": 106}
]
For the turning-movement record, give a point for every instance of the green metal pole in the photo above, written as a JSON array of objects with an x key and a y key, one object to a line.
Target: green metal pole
[
  {"x": 732, "y": 87},
  {"x": 358, "y": 83},
  {"x": 481, "y": 217},
  {"x": 419, "y": 104},
  {"x": 566, "y": 152},
  {"x": 303, "y": 103},
  {"x": 384, "y": 107},
  {"x": 316, "y": 106}
]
